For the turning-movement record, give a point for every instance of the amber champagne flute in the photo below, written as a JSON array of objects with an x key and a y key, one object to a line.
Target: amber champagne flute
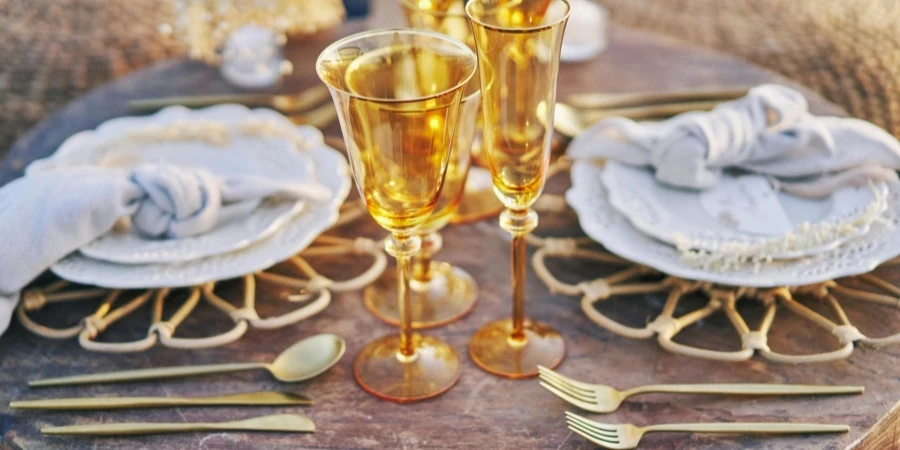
[
  {"x": 439, "y": 292},
  {"x": 518, "y": 59},
  {"x": 398, "y": 93}
]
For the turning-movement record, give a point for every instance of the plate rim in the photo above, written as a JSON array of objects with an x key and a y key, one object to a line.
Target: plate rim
[
  {"x": 574, "y": 197},
  {"x": 76, "y": 144}
]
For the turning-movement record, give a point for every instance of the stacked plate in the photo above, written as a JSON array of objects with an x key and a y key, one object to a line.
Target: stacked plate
[
  {"x": 224, "y": 140},
  {"x": 742, "y": 232}
]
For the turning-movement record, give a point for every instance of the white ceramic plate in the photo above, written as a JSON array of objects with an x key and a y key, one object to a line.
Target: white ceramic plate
[
  {"x": 331, "y": 171},
  {"x": 273, "y": 157},
  {"x": 606, "y": 225},
  {"x": 740, "y": 209}
]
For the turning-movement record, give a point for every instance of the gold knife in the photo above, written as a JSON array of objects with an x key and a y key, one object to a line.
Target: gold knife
[
  {"x": 248, "y": 398},
  {"x": 289, "y": 423}
]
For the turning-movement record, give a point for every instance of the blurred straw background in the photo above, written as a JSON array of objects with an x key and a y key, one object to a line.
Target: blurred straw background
[{"x": 848, "y": 50}]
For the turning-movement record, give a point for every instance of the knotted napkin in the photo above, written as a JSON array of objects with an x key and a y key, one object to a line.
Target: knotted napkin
[
  {"x": 46, "y": 215},
  {"x": 770, "y": 132}
]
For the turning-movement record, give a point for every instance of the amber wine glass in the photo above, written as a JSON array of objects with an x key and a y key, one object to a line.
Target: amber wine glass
[
  {"x": 439, "y": 292},
  {"x": 518, "y": 44},
  {"x": 443, "y": 16},
  {"x": 398, "y": 94}
]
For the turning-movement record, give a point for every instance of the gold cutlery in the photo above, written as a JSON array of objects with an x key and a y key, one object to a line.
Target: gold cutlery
[
  {"x": 318, "y": 117},
  {"x": 605, "y": 101},
  {"x": 264, "y": 398},
  {"x": 301, "y": 361},
  {"x": 285, "y": 103},
  {"x": 571, "y": 121},
  {"x": 288, "y": 423},
  {"x": 599, "y": 398},
  {"x": 627, "y": 436}
]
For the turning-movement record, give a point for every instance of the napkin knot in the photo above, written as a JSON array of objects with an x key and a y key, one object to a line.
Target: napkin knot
[
  {"x": 770, "y": 132},
  {"x": 177, "y": 201}
]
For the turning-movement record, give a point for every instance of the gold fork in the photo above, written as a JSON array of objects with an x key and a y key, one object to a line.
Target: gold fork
[
  {"x": 599, "y": 398},
  {"x": 627, "y": 436}
]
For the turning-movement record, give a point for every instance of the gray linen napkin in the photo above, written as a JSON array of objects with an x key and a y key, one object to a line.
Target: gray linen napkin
[
  {"x": 44, "y": 216},
  {"x": 770, "y": 132}
]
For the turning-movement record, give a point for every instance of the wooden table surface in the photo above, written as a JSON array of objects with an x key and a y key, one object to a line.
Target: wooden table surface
[{"x": 482, "y": 411}]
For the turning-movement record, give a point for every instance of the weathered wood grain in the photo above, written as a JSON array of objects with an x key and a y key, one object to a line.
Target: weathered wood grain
[{"x": 482, "y": 411}]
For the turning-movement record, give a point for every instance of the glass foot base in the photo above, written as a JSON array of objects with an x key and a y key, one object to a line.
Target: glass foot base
[
  {"x": 479, "y": 201},
  {"x": 447, "y": 297},
  {"x": 380, "y": 370},
  {"x": 493, "y": 350}
]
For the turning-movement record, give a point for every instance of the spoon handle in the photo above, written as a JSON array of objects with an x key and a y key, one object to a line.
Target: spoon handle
[
  {"x": 145, "y": 374},
  {"x": 288, "y": 423}
]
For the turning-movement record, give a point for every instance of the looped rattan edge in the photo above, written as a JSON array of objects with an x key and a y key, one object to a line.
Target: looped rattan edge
[
  {"x": 315, "y": 294},
  {"x": 722, "y": 300}
]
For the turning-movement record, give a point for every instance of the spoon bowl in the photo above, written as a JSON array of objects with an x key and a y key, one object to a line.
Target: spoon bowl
[
  {"x": 568, "y": 121},
  {"x": 301, "y": 361},
  {"x": 308, "y": 358}
]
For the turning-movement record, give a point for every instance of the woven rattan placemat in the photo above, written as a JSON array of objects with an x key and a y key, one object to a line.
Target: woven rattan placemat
[
  {"x": 51, "y": 51},
  {"x": 846, "y": 50},
  {"x": 54, "y": 50}
]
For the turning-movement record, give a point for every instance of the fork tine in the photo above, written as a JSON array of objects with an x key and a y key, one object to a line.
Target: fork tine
[
  {"x": 568, "y": 398},
  {"x": 573, "y": 382},
  {"x": 566, "y": 381},
  {"x": 568, "y": 389},
  {"x": 590, "y": 423},
  {"x": 591, "y": 439},
  {"x": 585, "y": 431},
  {"x": 593, "y": 431}
]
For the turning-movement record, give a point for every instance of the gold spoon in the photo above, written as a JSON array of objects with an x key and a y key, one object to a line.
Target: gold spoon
[
  {"x": 568, "y": 120},
  {"x": 301, "y": 361}
]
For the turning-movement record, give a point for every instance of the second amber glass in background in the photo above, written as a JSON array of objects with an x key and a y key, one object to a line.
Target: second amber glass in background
[
  {"x": 439, "y": 292},
  {"x": 518, "y": 44},
  {"x": 443, "y": 16},
  {"x": 449, "y": 17},
  {"x": 398, "y": 93}
]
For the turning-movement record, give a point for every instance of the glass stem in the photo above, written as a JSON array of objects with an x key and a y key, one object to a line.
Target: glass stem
[
  {"x": 518, "y": 280},
  {"x": 421, "y": 261},
  {"x": 403, "y": 248},
  {"x": 518, "y": 223},
  {"x": 406, "y": 347}
]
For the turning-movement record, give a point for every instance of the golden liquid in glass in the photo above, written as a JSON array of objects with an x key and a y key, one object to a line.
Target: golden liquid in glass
[
  {"x": 443, "y": 16},
  {"x": 399, "y": 120},
  {"x": 521, "y": 12},
  {"x": 459, "y": 162},
  {"x": 518, "y": 78}
]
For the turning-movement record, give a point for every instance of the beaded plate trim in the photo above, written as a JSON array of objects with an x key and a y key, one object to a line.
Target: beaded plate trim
[{"x": 720, "y": 299}]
